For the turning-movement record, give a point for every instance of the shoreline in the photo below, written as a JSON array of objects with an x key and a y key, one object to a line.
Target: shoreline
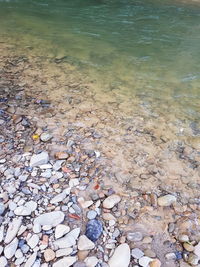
[{"x": 92, "y": 171}]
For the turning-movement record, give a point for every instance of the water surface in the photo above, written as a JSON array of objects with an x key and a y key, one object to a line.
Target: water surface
[{"x": 145, "y": 49}]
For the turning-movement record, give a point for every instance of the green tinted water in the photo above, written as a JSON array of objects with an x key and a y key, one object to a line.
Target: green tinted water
[{"x": 148, "y": 49}]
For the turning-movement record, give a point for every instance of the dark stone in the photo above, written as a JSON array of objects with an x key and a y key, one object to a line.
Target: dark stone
[{"x": 94, "y": 229}]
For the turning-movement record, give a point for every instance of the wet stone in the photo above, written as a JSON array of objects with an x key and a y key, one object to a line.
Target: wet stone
[{"x": 134, "y": 236}]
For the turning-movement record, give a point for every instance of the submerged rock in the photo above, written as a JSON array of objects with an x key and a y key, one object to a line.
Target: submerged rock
[
  {"x": 166, "y": 200},
  {"x": 94, "y": 229},
  {"x": 111, "y": 201}
]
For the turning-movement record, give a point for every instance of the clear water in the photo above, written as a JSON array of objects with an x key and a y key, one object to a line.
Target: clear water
[{"x": 149, "y": 49}]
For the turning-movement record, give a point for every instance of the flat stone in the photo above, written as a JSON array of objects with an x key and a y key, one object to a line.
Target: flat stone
[
  {"x": 33, "y": 241},
  {"x": 68, "y": 240},
  {"x": 2, "y": 208},
  {"x": 65, "y": 262},
  {"x": 193, "y": 259},
  {"x": 61, "y": 230},
  {"x": 145, "y": 261},
  {"x": 58, "y": 198},
  {"x": 188, "y": 247},
  {"x": 91, "y": 261},
  {"x": 22, "y": 211},
  {"x": 52, "y": 218},
  {"x": 137, "y": 253},
  {"x": 31, "y": 260},
  {"x": 45, "y": 137},
  {"x": 32, "y": 205},
  {"x": 9, "y": 250},
  {"x": 49, "y": 255},
  {"x": 37, "y": 228},
  {"x": 166, "y": 200},
  {"x": 155, "y": 263},
  {"x": 3, "y": 261},
  {"x": 13, "y": 230},
  {"x": 197, "y": 250},
  {"x": 63, "y": 252},
  {"x": 91, "y": 214},
  {"x": 61, "y": 155},
  {"x": 111, "y": 201},
  {"x": 134, "y": 236},
  {"x": 84, "y": 243},
  {"x": 121, "y": 256},
  {"x": 108, "y": 217},
  {"x": 183, "y": 238},
  {"x": 39, "y": 159}
]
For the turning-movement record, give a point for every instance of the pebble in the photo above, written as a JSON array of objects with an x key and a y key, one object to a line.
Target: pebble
[
  {"x": 49, "y": 255},
  {"x": 68, "y": 240},
  {"x": 39, "y": 159},
  {"x": 188, "y": 247},
  {"x": 65, "y": 262},
  {"x": 45, "y": 137},
  {"x": 121, "y": 256},
  {"x": 111, "y": 201},
  {"x": 31, "y": 260},
  {"x": 33, "y": 241},
  {"x": 166, "y": 200},
  {"x": 91, "y": 214},
  {"x": 84, "y": 243},
  {"x": 58, "y": 198},
  {"x": 134, "y": 236},
  {"x": 183, "y": 238},
  {"x": 9, "y": 250},
  {"x": 2, "y": 208},
  {"x": 170, "y": 256},
  {"x": 3, "y": 261},
  {"x": 91, "y": 261},
  {"x": 22, "y": 211},
  {"x": 197, "y": 250},
  {"x": 193, "y": 259},
  {"x": 137, "y": 253},
  {"x": 145, "y": 261},
  {"x": 12, "y": 230},
  {"x": 155, "y": 263},
  {"x": 94, "y": 229},
  {"x": 63, "y": 252},
  {"x": 52, "y": 218},
  {"x": 61, "y": 230}
]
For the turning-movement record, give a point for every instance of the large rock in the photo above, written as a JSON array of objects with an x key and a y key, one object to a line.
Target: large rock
[
  {"x": 166, "y": 200},
  {"x": 111, "y": 201},
  {"x": 121, "y": 256},
  {"x": 68, "y": 240},
  {"x": 9, "y": 250},
  {"x": 84, "y": 243},
  {"x": 12, "y": 230},
  {"x": 65, "y": 262},
  {"x": 51, "y": 218},
  {"x": 39, "y": 159}
]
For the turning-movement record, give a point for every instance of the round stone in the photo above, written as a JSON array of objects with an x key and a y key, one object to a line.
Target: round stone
[
  {"x": 111, "y": 201},
  {"x": 49, "y": 255},
  {"x": 94, "y": 229}
]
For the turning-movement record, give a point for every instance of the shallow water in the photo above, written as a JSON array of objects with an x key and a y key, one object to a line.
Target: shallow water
[{"x": 141, "y": 49}]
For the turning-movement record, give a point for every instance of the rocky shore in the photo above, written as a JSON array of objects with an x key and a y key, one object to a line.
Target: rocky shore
[{"x": 60, "y": 206}]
